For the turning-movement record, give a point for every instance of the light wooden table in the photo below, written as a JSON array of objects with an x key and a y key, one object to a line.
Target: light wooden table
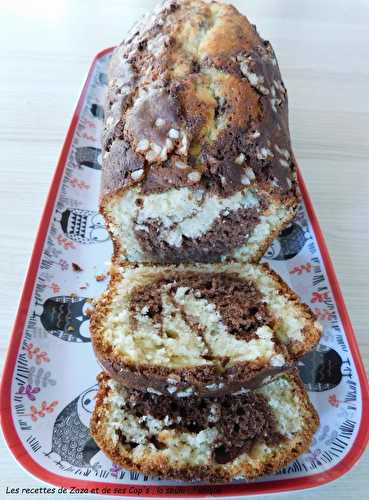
[{"x": 323, "y": 50}]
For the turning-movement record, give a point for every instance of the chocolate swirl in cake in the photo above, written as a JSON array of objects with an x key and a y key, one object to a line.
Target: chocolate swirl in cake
[
  {"x": 241, "y": 421},
  {"x": 197, "y": 126},
  {"x": 239, "y": 303}
]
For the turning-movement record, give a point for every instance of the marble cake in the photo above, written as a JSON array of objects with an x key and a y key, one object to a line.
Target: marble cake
[
  {"x": 201, "y": 329},
  {"x": 213, "y": 439},
  {"x": 197, "y": 158}
]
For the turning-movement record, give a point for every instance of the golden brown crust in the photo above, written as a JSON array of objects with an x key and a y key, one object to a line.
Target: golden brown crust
[
  {"x": 201, "y": 380},
  {"x": 210, "y": 472},
  {"x": 268, "y": 240},
  {"x": 312, "y": 331}
]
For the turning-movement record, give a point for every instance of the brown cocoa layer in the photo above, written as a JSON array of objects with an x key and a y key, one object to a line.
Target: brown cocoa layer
[
  {"x": 241, "y": 420},
  {"x": 202, "y": 381},
  {"x": 227, "y": 233},
  {"x": 210, "y": 472},
  {"x": 239, "y": 302}
]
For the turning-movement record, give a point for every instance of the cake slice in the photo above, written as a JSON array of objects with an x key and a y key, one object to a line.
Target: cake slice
[
  {"x": 201, "y": 329},
  {"x": 197, "y": 163},
  {"x": 213, "y": 439}
]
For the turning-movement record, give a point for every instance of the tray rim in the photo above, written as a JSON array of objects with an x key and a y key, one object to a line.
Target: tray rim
[{"x": 14, "y": 442}]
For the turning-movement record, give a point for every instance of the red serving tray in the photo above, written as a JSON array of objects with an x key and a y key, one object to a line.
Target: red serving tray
[{"x": 298, "y": 269}]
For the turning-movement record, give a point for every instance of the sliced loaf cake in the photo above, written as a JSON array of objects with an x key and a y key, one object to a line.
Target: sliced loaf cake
[
  {"x": 213, "y": 439},
  {"x": 197, "y": 158},
  {"x": 199, "y": 330}
]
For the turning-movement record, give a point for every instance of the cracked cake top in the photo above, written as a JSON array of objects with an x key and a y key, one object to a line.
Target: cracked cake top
[{"x": 196, "y": 100}]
